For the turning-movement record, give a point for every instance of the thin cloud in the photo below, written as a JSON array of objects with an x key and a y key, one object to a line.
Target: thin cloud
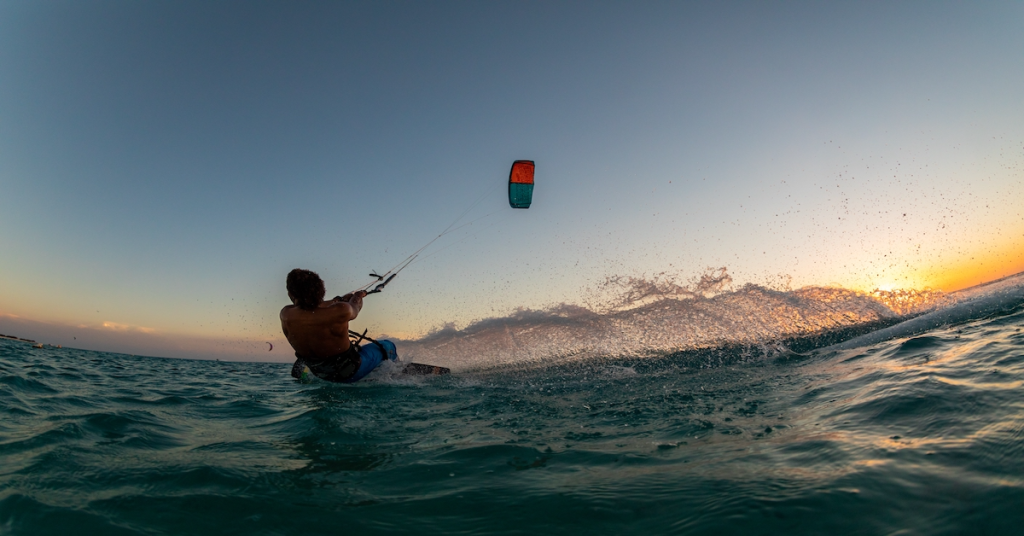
[
  {"x": 126, "y": 327},
  {"x": 111, "y": 336}
]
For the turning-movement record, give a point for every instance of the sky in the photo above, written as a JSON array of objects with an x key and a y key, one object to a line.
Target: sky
[{"x": 163, "y": 165}]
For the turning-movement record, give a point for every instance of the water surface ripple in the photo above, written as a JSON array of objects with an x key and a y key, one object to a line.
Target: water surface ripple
[{"x": 922, "y": 434}]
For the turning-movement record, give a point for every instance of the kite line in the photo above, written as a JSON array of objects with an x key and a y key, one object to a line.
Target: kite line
[
  {"x": 520, "y": 195},
  {"x": 382, "y": 280}
]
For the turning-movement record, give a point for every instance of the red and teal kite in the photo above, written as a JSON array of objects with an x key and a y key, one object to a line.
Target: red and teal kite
[{"x": 520, "y": 184}]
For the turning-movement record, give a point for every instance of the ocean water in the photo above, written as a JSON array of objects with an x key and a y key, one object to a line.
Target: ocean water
[{"x": 753, "y": 411}]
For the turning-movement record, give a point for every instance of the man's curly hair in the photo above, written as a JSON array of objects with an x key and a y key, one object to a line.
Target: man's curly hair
[{"x": 306, "y": 287}]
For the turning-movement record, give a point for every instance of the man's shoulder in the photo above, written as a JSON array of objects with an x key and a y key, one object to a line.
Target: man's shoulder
[
  {"x": 335, "y": 306},
  {"x": 293, "y": 312},
  {"x": 326, "y": 312}
]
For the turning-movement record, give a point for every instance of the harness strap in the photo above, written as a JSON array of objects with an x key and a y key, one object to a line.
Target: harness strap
[{"x": 360, "y": 337}]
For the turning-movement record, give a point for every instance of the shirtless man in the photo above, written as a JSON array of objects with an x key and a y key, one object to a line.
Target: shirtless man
[{"x": 318, "y": 330}]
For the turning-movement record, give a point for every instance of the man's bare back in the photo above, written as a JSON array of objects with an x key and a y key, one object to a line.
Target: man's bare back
[
  {"x": 318, "y": 331},
  {"x": 322, "y": 332}
]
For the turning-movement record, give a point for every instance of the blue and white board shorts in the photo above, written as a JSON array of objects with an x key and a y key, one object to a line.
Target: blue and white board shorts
[{"x": 371, "y": 355}]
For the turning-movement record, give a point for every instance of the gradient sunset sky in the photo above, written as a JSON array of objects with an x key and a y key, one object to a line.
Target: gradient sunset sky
[{"x": 163, "y": 165}]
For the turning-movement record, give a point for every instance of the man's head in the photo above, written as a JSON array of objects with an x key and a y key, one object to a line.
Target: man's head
[{"x": 305, "y": 288}]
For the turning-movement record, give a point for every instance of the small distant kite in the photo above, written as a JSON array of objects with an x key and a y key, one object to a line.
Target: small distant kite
[
  {"x": 520, "y": 184},
  {"x": 271, "y": 346}
]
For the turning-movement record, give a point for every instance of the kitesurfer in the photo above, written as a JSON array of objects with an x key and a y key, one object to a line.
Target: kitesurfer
[{"x": 318, "y": 330}]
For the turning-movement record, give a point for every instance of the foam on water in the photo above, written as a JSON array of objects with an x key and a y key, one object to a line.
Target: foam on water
[{"x": 639, "y": 317}]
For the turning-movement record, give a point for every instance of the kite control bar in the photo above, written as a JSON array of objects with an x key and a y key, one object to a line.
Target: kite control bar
[{"x": 383, "y": 283}]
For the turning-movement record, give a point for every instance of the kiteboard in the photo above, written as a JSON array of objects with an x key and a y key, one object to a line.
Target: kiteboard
[{"x": 419, "y": 369}]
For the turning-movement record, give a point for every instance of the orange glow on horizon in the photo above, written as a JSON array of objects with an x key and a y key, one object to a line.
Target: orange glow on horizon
[
  {"x": 975, "y": 271},
  {"x": 983, "y": 265}
]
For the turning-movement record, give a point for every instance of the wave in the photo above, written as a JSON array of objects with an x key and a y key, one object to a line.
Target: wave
[
  {"x": 996, "y": 297},
  {"x": 640, "y": 317}
]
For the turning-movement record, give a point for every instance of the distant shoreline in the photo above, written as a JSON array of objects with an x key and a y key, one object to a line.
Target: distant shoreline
[{"x": 15, "y": 338}]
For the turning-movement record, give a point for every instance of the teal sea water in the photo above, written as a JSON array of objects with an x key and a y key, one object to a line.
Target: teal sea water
[{"x": 912, "y": 424}]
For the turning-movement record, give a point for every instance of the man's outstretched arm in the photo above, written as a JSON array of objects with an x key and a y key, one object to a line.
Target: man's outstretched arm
[{"x": 354, "y": 301}]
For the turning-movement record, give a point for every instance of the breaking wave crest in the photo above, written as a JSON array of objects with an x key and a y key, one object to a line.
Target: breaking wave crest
[{"x": 640, "y": 317}]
